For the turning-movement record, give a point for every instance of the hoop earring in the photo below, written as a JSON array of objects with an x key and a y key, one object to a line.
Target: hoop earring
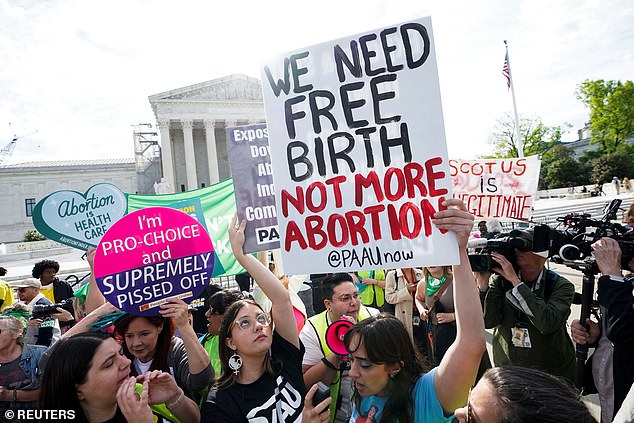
[{"x": 235, "y": 363}]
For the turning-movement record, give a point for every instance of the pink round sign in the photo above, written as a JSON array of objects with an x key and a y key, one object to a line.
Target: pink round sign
[{"x": 151, "y": 255}]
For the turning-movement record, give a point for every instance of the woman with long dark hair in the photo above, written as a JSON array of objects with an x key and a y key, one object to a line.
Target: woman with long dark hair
[
  {"x": 150, "y": 344},
  {"x": 389, "y": 379},
  {"x": 511, "y": 394},
  {"x": 89, "y": 376},
  {"x": 261, "y": 365}
]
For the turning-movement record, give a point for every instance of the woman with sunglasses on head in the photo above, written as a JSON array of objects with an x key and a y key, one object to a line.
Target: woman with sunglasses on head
[
  {"x": 88, "y": 375},
  {"x": 19, "y": 376},
  {"x": 261, "y": 366},
  {"x": 389, "y": 379},
  {"x": 510, "y": 394}
]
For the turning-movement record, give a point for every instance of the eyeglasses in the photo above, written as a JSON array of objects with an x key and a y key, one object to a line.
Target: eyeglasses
[
  {"x": 24, "y": 288},
  {"x": 346, "y": 298},
  {"x": 247, "y": 322}
]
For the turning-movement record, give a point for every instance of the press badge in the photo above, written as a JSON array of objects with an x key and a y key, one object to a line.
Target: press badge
[{"x": 520, "y": 337}]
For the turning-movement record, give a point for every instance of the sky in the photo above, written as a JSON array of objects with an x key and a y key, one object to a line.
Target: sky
[{"x": 79, "y": 72}]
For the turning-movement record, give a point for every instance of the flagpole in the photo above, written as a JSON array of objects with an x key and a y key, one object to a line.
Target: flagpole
[{"x": 520, "y": 148}]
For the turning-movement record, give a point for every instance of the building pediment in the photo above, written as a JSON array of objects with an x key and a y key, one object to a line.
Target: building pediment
[{"x": 236, "y": 87}]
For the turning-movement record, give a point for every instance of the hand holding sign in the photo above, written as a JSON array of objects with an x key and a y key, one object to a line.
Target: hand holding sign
[{"x": 152, "y": 255}]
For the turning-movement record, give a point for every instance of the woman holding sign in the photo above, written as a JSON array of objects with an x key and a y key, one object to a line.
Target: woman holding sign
[
  {"x": 261, "y": 365},
  {"x": 390, "y": 383}
]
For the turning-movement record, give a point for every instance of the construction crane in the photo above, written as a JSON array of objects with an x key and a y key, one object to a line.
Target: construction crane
[{"x": 7, "y": 151}]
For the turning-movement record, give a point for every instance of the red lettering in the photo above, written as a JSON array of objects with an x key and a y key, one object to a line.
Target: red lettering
[
  {"x": 333, "y": 220},
  {"x": 374, "y": 211},
  {"x": 522, "y": 164},
  {"x": 392, "y": 218},
  {"x": 415, "y": 213},
  {"x": 462, "y": 165},
  {"x": 356, "y": 221},
  {"x": 433, "y": 176},
  {"x": 510, "y": 163},
  {"x": 297, "y": 202},
  {"x": 413, "y": 178},
  {"x": 361, "y": 182},
  {"x": 293, "y": 233},
  {"x": 452, "y": 166},
  {"x": 313, "y": 229},
  {"x": 400, "y": 184},
  {"x": 479, "y": 166},
  {"x": 429, "y": 212},
  {"x": 316, "y": 208},
  {"x": 335, "y": 182}
]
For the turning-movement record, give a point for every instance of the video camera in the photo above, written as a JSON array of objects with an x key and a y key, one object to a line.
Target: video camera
[
  {"x": 43, "y": 311},
  {"x": 570, "y": 245},
  {"x": 535, "y": 239}
]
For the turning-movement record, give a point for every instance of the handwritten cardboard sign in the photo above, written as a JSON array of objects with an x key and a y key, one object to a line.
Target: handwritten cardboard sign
[
  {"x": 248, "y": 148},
  {"x": 499, "y": 188},
  {"x": 358, "y": 152},
  {"x": 79, "y": 220},
  {"x": 151, "y": 255}
]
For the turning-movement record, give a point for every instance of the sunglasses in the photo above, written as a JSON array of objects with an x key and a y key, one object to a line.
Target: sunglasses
[{"x": 24, "y": 288}]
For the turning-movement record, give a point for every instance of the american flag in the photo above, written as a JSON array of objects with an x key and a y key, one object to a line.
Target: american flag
[{"x": 506, "y": 71}]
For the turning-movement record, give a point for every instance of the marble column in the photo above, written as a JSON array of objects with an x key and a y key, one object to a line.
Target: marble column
[
  {"x": 212, "y": 154},
  {"x": 190, "y": 156},
  {"x": 167, "y": 160}
]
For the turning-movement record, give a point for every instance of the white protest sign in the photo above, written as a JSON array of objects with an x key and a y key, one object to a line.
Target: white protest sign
[
  {"x": 497, "y": 188},
  {"x": 358, "y": 152}
]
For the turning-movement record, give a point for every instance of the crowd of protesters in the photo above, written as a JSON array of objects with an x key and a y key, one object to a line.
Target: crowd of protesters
[{"x": 415, "y": 350}]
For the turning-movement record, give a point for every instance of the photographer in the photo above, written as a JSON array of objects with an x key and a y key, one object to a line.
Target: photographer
[
  {"x": 40, "y": 331},
  {"x": 528, "y": 310},
  {"x": 612, "y": 365}
]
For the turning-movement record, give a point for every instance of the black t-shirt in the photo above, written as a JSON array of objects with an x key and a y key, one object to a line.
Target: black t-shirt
[{"x": 262, "y": 400}]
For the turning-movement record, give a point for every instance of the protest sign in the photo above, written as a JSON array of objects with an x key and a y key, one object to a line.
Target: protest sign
[
  {"x": 151, "y": 255},
  {"x": 497, "y": 188},
  {"x": 358, "y": 152},
  {"x": 218, "y": 207},
  {"x": 79, "y": 220},
  {"x": 248, "y": 148}
]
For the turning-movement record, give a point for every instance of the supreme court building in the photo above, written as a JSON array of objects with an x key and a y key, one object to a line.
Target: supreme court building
[{"x": 192, "y": 122}]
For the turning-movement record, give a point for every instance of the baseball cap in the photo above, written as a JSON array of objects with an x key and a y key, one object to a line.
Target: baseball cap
[
  {"x": 529, "y": 234},
  {"x": 28, "y": 282}
]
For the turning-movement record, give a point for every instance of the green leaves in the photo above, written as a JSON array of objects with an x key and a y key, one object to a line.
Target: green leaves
[{"x": 611, "y": 105}]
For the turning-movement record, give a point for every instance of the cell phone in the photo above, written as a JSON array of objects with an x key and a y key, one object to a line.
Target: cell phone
[{"x": 321, "y": 394}]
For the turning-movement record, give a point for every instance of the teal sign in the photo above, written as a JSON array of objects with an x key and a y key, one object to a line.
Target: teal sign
[{"x": 80, "y": 220}]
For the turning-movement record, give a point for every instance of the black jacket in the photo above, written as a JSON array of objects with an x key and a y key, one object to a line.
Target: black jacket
[
  {"x": 616, "y": 301},
  {"x": 61, "y": 291}
]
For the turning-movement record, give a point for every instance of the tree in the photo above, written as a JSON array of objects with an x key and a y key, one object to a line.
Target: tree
[
  {"x": 611, "y": 105},
  {"x": 613, "y": 164},
  {"x": 537, "y": 138},
  {"x": 560, "y": 169}
]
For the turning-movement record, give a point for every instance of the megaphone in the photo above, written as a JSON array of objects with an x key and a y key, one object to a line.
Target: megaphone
[{"x": 334, "y": 336}]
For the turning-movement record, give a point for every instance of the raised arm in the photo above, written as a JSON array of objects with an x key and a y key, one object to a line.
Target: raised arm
[
  {"x": 197, "y": 357},
  {"x": 457, "y": 370},
  {"x": 281, "y": 306},
  {"x": 94, "y": 297}
]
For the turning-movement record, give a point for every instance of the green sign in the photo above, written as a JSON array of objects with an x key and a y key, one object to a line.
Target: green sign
[{"x": 218, "y": 206}]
